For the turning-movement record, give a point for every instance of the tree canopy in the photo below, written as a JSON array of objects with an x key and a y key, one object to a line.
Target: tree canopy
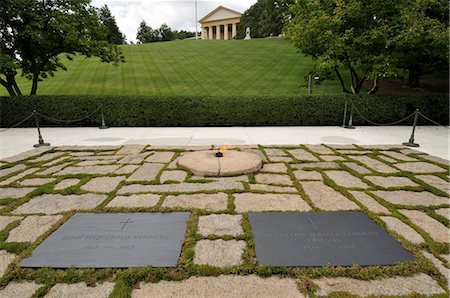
[
  {"x": 265, "y": 18},
  {"x": 147, "y": 34},
  {"x": 370, "y": 39},
  {"x": 113, "y": 34},
  {"x": 34, "y": 34}
]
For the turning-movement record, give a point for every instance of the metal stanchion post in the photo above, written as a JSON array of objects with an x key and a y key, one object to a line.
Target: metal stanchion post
[
  {"x": 350, "y": 120},
  {"x": 345, "y": 114},
  {"x": 411, "y": 143},
  {"x": 41, "y": 142},
  {"x": 103, "y": 126}
]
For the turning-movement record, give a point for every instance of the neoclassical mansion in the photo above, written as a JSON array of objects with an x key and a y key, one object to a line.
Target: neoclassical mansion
[{"x": 221, "y": 23}]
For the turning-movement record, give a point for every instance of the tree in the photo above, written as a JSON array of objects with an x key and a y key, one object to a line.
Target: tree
[
  {"x": 183, "y": 34},
  {"x": 146, "y": 34},
  {"x": 354, "y": 36},
  {"x": 422, "y": 44},
  {"x": 165, "y": 33},
  {"x": 113, "y": 34},
  {"x": 265, "y": 18},
  {"x": 34, "y": 35}
]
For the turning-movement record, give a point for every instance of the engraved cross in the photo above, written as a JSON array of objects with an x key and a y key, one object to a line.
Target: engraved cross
[{"x": 125, "y": 223}]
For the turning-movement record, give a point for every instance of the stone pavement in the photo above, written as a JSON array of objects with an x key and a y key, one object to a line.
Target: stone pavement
[{"x": 403, "y": 190}]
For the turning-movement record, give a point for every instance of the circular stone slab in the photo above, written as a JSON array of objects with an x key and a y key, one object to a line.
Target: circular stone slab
[{"x": 205, "y": 163}]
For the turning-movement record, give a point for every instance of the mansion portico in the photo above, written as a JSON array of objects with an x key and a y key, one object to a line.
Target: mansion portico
[{"x": 221, "y": 23}]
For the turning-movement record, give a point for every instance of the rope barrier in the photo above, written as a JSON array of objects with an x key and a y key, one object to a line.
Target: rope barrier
[
  {"x": 382, "y": 124},
  {"x": 432, "y": 121},
  {"x": 17, "y": 124},
  {"x": 68, "y": 121}
]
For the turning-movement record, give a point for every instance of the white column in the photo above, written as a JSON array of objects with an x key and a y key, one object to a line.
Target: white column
[
  {"x": 218, "y": 32},
  {"x": 210, "y": 34},
  {"x": 225, "y": 32},
  {"x": 234, "y": 32}
]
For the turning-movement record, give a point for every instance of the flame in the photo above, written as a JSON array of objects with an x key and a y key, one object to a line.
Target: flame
[{"x": 224, "y": 148}]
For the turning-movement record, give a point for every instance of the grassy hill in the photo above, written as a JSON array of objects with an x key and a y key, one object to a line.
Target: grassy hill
[{"x": 255, "y": 67}]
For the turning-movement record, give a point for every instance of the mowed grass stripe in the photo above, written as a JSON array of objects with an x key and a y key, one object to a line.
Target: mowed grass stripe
[{"x": 188, "y": 67}]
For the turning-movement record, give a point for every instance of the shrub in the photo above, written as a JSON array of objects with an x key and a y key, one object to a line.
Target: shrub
[{"x": 222, "y": 111}]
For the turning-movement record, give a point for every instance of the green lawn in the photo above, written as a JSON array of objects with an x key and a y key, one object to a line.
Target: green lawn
[{"x": 256, "y": 67}]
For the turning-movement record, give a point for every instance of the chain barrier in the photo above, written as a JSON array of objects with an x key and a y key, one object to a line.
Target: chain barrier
[
  {"x": 382, "y": 124},
  {"x": 17, "y": 124},
  {"x": 68, "y": 121},
  {"x": 432, "y": 121}
]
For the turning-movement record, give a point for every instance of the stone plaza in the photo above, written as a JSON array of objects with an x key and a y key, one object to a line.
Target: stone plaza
[{"x": 398, "y": 190}]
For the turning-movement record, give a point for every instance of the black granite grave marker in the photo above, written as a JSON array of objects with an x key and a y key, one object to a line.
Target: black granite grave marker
[
  {"x": 309, "y": 239},
  {"x": 118, "y": 240}
]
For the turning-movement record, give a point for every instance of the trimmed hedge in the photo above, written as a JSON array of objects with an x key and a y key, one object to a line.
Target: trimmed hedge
[{"x": 222, "y": 111}]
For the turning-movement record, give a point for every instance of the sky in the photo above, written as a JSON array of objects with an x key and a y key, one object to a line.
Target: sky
[{"x": 178, "y": 14}]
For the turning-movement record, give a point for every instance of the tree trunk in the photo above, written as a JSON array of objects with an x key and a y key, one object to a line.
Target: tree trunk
[
  {"x": 414, "y": 78},
  {"x": 16, "y": 87},
  {"x": 8, "y": 87},
  {"x": 35, "y": 83},
  {"x": 341, "y": 80},
  {"x": 375, "y": 86}
]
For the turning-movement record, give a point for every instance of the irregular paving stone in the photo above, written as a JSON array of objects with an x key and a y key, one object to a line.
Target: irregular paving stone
[
  {"x": 6, "y": 220},
  {"x": 332, "y": 158},
  {"x": 411, "y": 198},
  {"x": 97, "y": 158},
  {"x": 394, "y": 286},
  {"x": 369, "y": 202},
  {"x": 103, "y": 184},
  {"x": 245, "y": 202},
  {"x": 445, "y": 212},
  {"x": 18, "y": 176},
  {"x": 210, "y": 202},
  {"x": 130, "y": 149},
  {"x": 126, "y": 169},
  {"x": 160, "y": 157},
  {"x": 382, "y": 147},
  {"x": 274, "y": 167},
  {"x": 355, "y": 152},
  {"x": 257, "y": 152},
  {"x": 396, "y": 225},
  {"x": 391, "y": 181},
  {"x": 219, "y": 253},
  {"x": 446, "y": 258},
  {"x": 32, "y": 227},
  {"x": 419, "y": 167},
  {"x": 27, "y": 154},
  {"x": 87, "y": 148},
  {"x": 5, "y": 259},
  {"x": 317, "y": 165},
  {"x": 75, "y": 154},
  {"x": 47, "y": 157},
  {"x": 15, "y": 193},
  {"x": 66, "y": 183},
  {"x": 437, "y": 263},
  {"x": 398, "y": 156},
  {"x": 133, "y": 158},
  {"x": 375, "y": 164},
  {"x": 242, "y": 178},
  {"x": 273, "y": 179},
  {"x": 80, "y": 290},
  {"x": 435, "y": 159},
  {"x": 36, "y": 181},
  {"x": 173, "y": 176},
  {"x": 10, "y": 170},
  {"x": 302, "y": 154},
  {"x": 346, "y": 179},
  {"x": 411, "y": 151},
  {"x": 54, "y": 169},
  {"x": 56, "y": 203},
  {"x": 182, "y": 187},
  {"x": 280, "y": 159},
  {"x": 88, "y": 163},
  {"x": 93, "y": 170},
  {"x": 220, "y": 224},
  {"x": 357, "y": 168},
  {"x": 134, "y": 201},
  {"x": 388, "y": 159},
  {"x": 173, "y": 165},
  {"x": 326, "y": 198},
  {"x": 320, "y": 149},
  {"x": 275, "y": 152},
  {"x": 342, "y": 146},
  {"x": 436, "y": 182},
  {"x": 56, "y": 161},
  {"x": 223, "y": 286},
  {"x": 147, "y": 172},
  {"x": 435, "y": 229},
  {"x": 308, "y": 175},
  {"x": 272, "y": 188},
  {"x": 19, "y": 290}
]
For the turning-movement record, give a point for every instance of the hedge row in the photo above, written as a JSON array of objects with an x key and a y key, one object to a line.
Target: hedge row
[{"x": 222, "y": 111}]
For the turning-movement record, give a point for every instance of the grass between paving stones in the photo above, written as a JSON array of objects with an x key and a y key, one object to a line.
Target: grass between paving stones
[{"x": 126, "y": 279}]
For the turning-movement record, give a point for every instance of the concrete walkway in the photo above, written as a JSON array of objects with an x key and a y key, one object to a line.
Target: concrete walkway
[{"x": 433, "y": 140}]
